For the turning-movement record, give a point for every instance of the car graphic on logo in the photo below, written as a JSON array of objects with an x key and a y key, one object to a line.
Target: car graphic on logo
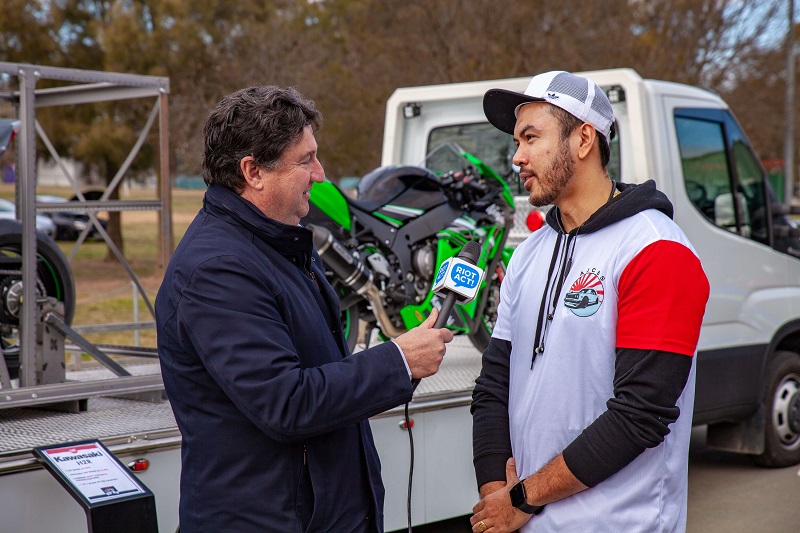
[{"x": 581, "y": 299}]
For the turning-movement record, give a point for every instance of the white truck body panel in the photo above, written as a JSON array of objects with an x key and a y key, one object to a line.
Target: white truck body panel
[{"x": 33, "y": 501}]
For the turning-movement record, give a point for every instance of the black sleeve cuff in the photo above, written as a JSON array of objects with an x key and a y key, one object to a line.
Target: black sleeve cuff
[{"x": 490, "y": 467}]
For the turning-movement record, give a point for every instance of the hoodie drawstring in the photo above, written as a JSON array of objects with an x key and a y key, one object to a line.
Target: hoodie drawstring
[{"x": 552, "y": 289}]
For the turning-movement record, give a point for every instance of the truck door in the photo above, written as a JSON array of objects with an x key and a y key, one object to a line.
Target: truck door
[{"x": 723, "y": 206}]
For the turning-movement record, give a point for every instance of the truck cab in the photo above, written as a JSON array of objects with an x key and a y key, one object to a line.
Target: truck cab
[{"x": 688, "y": 141}]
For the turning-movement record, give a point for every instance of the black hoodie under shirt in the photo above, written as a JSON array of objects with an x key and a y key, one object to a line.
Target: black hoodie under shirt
[{"x": 647, "y": 383}]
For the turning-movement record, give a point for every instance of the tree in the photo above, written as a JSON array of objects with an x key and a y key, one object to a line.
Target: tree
[{"x": 349, "y": 55}]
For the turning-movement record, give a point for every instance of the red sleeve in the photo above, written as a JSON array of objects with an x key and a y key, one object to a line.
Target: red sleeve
[{"x": 662, "y": 297}]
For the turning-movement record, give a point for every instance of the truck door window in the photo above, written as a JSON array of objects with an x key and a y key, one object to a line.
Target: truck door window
[
  {"x": 705, "y": 170},
  {"x": 723, "y": 178}
]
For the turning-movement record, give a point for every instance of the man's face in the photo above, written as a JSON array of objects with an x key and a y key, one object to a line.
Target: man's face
[
  {"x": 545, "y": 159},
  {"x": 287, "y": 186}
]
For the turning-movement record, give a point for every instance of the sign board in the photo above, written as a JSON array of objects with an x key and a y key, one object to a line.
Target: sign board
[{"x": 113, "y": 498}]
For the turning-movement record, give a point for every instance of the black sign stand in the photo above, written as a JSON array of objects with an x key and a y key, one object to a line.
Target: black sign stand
[{"x": 114, "y": 500}]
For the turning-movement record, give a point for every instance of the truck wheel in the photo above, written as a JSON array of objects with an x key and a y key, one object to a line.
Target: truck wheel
[{"x": 782, "y": 408}]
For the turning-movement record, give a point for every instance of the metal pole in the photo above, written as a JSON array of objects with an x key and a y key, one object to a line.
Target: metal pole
[
  {"x": 136, "y": 337},
  {"x": 788, "y": 144},
  {"x": 26, "y": 189},
  {"x": 165, "y": 183}
]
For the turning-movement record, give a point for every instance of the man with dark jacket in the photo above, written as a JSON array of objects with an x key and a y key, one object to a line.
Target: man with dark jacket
[
  {"x": 271, "y": 405},
  {"x": 588, "y": 381}
]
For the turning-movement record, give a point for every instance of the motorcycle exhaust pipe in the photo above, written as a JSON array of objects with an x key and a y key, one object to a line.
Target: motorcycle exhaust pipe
[
  {"x": 353, "y": 274},
  {"x": 345, "y": 265}
]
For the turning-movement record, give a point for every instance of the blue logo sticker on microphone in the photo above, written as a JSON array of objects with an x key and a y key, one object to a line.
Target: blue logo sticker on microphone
[
  {"x": 465, "y": 276},
  {"x": 442, "y": 271}
]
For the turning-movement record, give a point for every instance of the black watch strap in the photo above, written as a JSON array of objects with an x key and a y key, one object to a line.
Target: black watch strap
[{"x": 520, "y": 500}]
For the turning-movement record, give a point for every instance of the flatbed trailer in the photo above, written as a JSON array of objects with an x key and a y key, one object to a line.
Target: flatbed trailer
[{"x": 32, "y": 501}]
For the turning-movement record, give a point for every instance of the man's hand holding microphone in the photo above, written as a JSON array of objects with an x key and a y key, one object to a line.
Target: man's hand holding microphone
[{"x": 457, "y": 281}]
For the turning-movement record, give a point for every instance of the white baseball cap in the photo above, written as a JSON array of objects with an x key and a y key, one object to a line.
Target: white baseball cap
[{"x": 576, "y": 95}]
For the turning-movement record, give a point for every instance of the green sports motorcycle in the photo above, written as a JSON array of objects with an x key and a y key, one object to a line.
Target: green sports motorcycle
[{"x": 382, "y": 249}]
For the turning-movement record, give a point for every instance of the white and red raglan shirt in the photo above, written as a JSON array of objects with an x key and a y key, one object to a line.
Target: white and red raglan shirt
[{"x": 627, "y": 282}]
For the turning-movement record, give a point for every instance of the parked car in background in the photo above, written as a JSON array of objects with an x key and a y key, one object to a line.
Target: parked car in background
[
  {"x": 69, "y": 224},
  {"x": 9, "y": 211}
]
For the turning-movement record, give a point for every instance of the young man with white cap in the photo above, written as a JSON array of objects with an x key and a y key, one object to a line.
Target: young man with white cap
[{"x": 587, "y": 386}]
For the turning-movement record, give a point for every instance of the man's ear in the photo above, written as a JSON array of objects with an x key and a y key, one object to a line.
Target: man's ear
[
  {"x": 251, "y": 173},
  {"x": 587, "y": 139}
]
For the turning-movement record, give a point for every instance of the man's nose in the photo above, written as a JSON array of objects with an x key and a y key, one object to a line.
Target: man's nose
[
  {"x": 318, "y": 174},
  {"x": 519, "y": 158}
]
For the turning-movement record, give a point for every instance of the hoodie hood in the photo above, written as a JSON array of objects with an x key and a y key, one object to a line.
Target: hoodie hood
[{"x": 632, "y": 199}]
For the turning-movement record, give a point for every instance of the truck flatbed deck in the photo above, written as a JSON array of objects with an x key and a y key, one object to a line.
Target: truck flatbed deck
[{"x": 120, "y": 420}]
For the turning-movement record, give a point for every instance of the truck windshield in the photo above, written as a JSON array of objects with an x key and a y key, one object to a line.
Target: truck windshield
[{"x": 496, "y": 149}]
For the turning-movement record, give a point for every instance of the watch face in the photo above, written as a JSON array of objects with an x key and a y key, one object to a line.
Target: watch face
[{"x": 517, "y": 494}]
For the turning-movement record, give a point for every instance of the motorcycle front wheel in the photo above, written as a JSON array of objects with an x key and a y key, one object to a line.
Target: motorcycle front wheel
[
  {"x": 483, "y": 333},
  {"x": 350, "y": 325}
]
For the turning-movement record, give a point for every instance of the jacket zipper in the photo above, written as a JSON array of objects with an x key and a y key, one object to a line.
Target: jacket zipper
[
  {"x": 314, "y": 278},
  {"x": 311, "y": 273}
]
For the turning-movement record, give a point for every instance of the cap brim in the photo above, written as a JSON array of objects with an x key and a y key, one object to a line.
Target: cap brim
[{"x": 499, "y": 106}]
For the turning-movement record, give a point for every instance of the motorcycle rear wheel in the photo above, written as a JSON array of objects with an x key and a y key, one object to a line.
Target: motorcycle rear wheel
[{"x": 53, "y": 279}]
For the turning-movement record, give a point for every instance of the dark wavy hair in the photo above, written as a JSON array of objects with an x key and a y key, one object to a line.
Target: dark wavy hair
[
  {"x": 258, "y": 121},
  {"x": 569, "y": 122}
]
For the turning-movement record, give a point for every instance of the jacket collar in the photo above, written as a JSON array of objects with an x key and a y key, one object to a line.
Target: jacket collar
[{"x": 289, "y": 241}]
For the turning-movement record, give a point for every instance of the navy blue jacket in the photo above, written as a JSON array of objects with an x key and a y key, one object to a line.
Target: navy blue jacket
[{"x": 271, "y": 406}]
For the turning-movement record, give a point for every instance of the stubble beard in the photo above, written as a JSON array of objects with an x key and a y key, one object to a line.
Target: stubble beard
[{"x": 555, "y": 178}]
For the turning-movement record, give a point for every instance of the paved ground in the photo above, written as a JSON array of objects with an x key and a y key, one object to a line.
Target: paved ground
[{"x": 728, "y": 494}]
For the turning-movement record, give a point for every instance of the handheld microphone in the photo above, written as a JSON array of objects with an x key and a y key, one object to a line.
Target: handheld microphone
[{"x": 457, "y": 281}]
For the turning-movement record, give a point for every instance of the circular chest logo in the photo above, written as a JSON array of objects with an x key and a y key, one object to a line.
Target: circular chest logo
[{"x": 585, "y": 295}]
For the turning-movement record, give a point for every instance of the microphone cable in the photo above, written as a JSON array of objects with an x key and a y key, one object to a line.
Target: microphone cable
[{"x": 410, "y": 467}]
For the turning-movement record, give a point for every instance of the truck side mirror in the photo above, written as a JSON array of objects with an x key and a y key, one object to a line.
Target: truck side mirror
[{"x": 783, "y": 209}]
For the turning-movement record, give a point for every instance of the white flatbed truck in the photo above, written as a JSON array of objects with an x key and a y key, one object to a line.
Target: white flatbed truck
[
  {"x": 688, "y": 141},
  {"x": 748, "y": 385}
]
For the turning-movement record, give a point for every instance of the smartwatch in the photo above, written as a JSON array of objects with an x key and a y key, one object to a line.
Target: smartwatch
[{"x": 520, "y": 501}]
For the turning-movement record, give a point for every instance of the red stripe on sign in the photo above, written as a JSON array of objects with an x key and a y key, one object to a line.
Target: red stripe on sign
[
  {"x": 70, "y": 448},
  {"x": 662, "y": 297}
]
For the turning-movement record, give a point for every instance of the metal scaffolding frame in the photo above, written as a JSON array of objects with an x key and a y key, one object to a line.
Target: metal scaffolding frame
[{"x": 87, "y": 87}]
